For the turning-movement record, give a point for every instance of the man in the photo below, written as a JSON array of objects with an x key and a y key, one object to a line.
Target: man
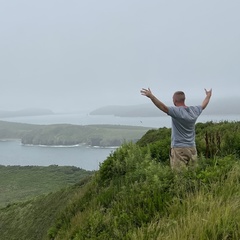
[{"x": 183, "y": 149}]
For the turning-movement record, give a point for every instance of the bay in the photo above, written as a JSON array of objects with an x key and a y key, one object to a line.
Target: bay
[
  {"x": 88, "y": 158},
  {"x": 85, "y": 157}
]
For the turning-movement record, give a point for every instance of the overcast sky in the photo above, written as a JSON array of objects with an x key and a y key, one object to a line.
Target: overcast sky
[{"x": 84, "y": 54}]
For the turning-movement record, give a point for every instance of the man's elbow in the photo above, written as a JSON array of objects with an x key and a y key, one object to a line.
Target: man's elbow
[{"x": 165, "y": 109}]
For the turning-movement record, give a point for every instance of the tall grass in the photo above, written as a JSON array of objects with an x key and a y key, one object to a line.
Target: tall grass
[
  {"x": 134, "y": 197},
  {"x": 209, "y": 213}
]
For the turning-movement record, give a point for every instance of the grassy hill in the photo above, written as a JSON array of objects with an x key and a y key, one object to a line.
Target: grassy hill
[
  {"x": 31, "y": 219},
  {"x": 135, "y": 195},
  {"x": 23, "y": 183}
]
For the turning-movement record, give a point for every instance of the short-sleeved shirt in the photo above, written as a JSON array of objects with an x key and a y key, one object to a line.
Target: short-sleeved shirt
[{"x": 183, "y": 125}]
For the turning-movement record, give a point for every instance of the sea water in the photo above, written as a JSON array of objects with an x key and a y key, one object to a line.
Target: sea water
[{"x": 88, "y": 158}]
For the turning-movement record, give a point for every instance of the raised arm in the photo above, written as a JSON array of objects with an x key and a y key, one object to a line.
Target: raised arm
[
  {"x": 207, "y": 98},
  {"x": 157, "y": 103}
]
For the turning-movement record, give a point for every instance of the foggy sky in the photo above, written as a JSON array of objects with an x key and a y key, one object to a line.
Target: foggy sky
[{"x": 84, "y": 54}]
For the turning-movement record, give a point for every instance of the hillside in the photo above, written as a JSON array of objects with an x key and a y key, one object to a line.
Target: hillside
[
  {"x": 135, "y": 195},
  {"x": 30, "y": 220},
  {"x": 21, "y": 183}
]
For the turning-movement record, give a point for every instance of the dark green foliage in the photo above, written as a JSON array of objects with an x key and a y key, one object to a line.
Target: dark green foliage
[
  {"x": 131, "y": 189},
  {"x": 158, "y": 142},
  {"x": 122, "y": 189},
  {"x": 31, "y": 220},
  {"x": 212, "y": 139},
  {"x": 129, "y": 192},
  {"x": 218, "y": 139},
  {"x": 153, "y": 136},
  {"x": 121, "y": 161},
  {"x": 19, "y": 183}
]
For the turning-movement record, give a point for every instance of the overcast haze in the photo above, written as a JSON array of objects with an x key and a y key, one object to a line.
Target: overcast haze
[{"x": 74, "y": 55}]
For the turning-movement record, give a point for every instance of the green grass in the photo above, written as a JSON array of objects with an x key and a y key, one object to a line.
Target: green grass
[
  {"x": 133, "y": 197},
  {"x": 22, "y": 183},
  {"x": 210, "y": 211},
  {"x": 30, "y": 220}
]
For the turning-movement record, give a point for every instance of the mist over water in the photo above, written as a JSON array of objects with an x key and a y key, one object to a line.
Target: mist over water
[{"x": 86, "y": 119}]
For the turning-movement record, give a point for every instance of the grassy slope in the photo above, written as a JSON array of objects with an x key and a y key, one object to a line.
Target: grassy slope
[
  {"x": 143, "y": 199},
  {"x": 23, "y": 183},
  {"x": 140, "y": 199},
  {"x": 31, "y": 220},
  {"x": 133, "y": 196}
]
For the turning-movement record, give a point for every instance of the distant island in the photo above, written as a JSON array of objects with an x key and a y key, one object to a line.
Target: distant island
[
  {"x": 144, "y": 110},
  {"x": 69, "y": 135},
  {"x": 215, "y": 107}
]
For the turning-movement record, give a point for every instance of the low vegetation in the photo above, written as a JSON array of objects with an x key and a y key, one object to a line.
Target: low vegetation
[
  {"x": 134, "y": 197},
  {"x": 20, "y": 183},
  {"x": 135, "y": 194},
  {"x": 30, "y": 220}
]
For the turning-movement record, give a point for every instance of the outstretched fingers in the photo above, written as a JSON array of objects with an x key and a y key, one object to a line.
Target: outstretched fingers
[
  {"x": 145, "y": 91},
  {"x": 208, "y": 92}
]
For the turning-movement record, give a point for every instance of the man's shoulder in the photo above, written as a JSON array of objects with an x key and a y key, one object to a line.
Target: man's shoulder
[
  {"x": 182, "y": 111},
  {"x": 196, "y": 109}
]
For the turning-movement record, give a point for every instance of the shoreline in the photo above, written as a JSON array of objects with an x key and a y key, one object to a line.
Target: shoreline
[{"x": 57, "y": 146}]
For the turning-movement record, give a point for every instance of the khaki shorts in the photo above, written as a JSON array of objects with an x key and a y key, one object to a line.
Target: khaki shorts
[{"x": 183, "y": 157}]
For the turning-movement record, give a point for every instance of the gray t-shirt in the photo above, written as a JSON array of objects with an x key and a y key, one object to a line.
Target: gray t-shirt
[{"x": 183, "y": 125}]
